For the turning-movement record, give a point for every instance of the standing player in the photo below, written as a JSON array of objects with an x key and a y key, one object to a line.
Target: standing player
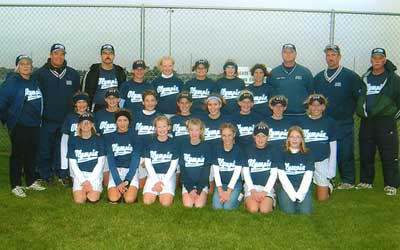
[
  {"x": 260, "y": 173},
  {"x": 295, "y": 171},
  {"x": 320, "y": 136},
  {"x": 58, "y": 84},
  {"x": 341, "y": 87},
  {"x": 292, "y": 80},
  {"x": 194, "y": 162},
  {"x": 21, "y": 106},
  {"x": 123, "y": 157},
  {"x": 200, "y": 87},
  {"x": 229, "y": 86},
  {"x": 131, "y": 91},
  {"x": 86, "y": 156},
  {"x": 228, "y": 161},
  {"x": 102, "y": 76},
  {"x": 167, "y": 86},
  {"x": 161, "y": 160},
  {"x": 261, "y": 90},
  {"x": 378, "y": 106}
]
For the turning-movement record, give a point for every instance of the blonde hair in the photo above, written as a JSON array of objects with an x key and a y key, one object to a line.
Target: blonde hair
[
  {"x": 298, "y": 129},
  {"x": 315, "y": 96},
  {"x": 227, "y": 125},
  {"x": 149, "y": 92},
  {"x": 198, "y": 123},
  {"x": 79, "y": 130},
  {"x": 165, "y": 58},
  {"x": 17, "y": 67},
  {"x": 160, "y": 118},
  {"x": 79, "y": 92}
]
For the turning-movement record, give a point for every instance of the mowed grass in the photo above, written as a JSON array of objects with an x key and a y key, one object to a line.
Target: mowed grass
[{"x": 353, "y": 219}]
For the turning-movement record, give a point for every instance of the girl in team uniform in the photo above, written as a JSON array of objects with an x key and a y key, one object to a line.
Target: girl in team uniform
[
  {"x": 167, "y": 86},
  {"x": 105, "y": 122},
  {"x": 260, "y": 173},
  {"x": 161, "y": 161},
  {"x": 295, "y": 171},
  {"x": 227, "y": 164},
  {"x": 143, "y": 125},
  {"x": 260, "y": 90},
  {"x": 320, "y": 137},
  {"x": 194, "y": 162},
  {"x": 229, "y": 86},
  {"x": 245, "y": 119},
  {"x": 131, "y": 91},
  {"x": 86, "y": 157},
  {"x": 200, "y": 87},
  {"x": 278, "y": 123},
  {"x": 70, "y": 126},
  {"x": 123, "y": 156}
]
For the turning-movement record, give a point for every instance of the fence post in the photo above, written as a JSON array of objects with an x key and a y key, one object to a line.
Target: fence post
[
  {"x": 332, "y": 28},
  {"x": 142, "y": 31},
  {"x": 170, "y": 11}
]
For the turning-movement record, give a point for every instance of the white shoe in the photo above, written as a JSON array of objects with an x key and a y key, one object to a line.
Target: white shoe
[
  {"x": 363, "y": 185},
  {"x": 344, "y": 186},
  {"x": 36, "y": 186},
  {"x": 389, "y": 190},
  {"x": 19, "y": 192}
]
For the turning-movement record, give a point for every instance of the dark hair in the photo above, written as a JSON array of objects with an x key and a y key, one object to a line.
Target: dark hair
[{"x": 259, "y": 66}]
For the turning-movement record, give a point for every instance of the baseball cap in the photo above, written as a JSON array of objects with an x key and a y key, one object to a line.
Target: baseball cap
[
  {"x": 378, "y": 51},
  {"x": 317, "y": 97},
  {"x": 278, "y": 100},
  {"x": 112, "y": 92},
  {"x": 246, "y": 95},
  {"x": 184, "y": 94},
  {"x": 230, "y": 63},
  {"x": 138, "y": 64},
  {"x": 332, "y": 47},
  {"x": 57, "y": 46},
  {"x": 203, "y": 62},
  {"x": 80, "y": 96},
  {"x": 22, "y": 57},
  {"x": 261, "y": 128},
  {"x": 290, "y": 46},
  {"x": 86, "y": 116},
  {"x": 123, "y": 112},
  {"x": 108, "y": 47}
]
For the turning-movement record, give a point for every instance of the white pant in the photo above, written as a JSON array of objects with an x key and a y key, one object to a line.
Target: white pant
[
  {"x": 184, "y": 190},
  {"x": 321, "y": 173},
  {"x": 122, "y": 173},
  {"x": 96, "y": 184},
  {"x": 258, "y": 188},
  {"x": 168, "y": 188}
]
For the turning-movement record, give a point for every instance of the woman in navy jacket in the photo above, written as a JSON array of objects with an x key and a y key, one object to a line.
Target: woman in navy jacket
[{"x": 21, "y": 106}]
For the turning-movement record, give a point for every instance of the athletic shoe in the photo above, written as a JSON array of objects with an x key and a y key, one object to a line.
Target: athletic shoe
[
  {"x": 65, "y": 181},
  {"x": 331, "y": 186},
  {"x": 363, "y": 185},
  {"x": 389, "y": 190},
  {"x": 19, "y": 192},
  {"x": 344, "y": 185},
  {"x": 36, "y": 186}
]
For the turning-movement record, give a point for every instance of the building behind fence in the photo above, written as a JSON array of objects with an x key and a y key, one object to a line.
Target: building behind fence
[{"x": 248, "y": 36}]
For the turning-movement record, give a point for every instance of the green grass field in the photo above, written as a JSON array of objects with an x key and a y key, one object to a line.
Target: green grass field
[{"x": 355, "y": 219}]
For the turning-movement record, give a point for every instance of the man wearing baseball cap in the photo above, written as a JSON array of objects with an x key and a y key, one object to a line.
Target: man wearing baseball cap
[
  {"x": 378, "y": 106},
  {"x": 131, "y": 90},
  {"x": 341, "y": 86},
  {"x": 102, "y": 76},
  {"x": 58, "y": 83},
  {"x": 292, "y": 80}
]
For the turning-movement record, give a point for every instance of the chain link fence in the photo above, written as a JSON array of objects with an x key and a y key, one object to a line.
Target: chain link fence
[{"x": 248, "y": 36}]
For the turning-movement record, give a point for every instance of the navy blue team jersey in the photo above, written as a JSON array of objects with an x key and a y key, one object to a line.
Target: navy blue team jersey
[
  {"x": 105, "y": 122},
  {"x": 260, "y": 162},
  {"x": 245, "y": 127},
  {"x": 212, "y": 127},
  {"x": 194, "y": 162},
  {"x": 143, "y": 125},
  {"x": 261, "y": 94},
  {"x": 70, "y": 125},
  {"x": 161, "y": 154},
  {"x": 86, "y": 151},
  {"x": 167, "y": 90},
  {"x": 230, "y": 90},
  {"x": 131, "y": 92},
  {"x": 123, "y": 151},
  {"x": 295, "y": 165},
  {"x": 107, "y": 79},
  {"x": 200, "y": 90},
  {"x": 278, "y": 130},
  {"x": 318, "y": 133},
  {"x": 226, "y": 161}
]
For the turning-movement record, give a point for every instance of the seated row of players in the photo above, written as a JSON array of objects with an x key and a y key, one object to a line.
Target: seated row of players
[{"x": 242, "y": 125}]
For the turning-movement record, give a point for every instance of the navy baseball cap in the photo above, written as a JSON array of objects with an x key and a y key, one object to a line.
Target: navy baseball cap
[
  {"x": 278, "y": 100},
  {"x": 380, "y": 51},
  {"x": 108, "y": 47},
  {"x": 22, "y": 57},
  {"x": 261, "y": 128},
  {"x": 184, "y": 94},
  {"x": 290, "y": 46},
  {"x": 123, "y": 112},
  {"x": 112, "y": 92},
  {"x": 139, "y": 64},
  {"x": 317, "y": 97},
  {"x": 203, "y": 62},
  {"x": 332, "y": 47},
  {"x": 80, "y": 96},
  {"x": 230, "y": 63},
  {"x": 57, "y": 46},
  {"x": 86, "y": 116},
  {"x": 246, "y": 95}
]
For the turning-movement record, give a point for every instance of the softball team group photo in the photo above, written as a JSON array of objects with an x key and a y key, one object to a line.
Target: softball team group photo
[{"x": 267, "y": 144}]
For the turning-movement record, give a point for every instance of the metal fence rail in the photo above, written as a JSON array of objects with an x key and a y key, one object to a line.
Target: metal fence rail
[{"x": 247, "y": 35}]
